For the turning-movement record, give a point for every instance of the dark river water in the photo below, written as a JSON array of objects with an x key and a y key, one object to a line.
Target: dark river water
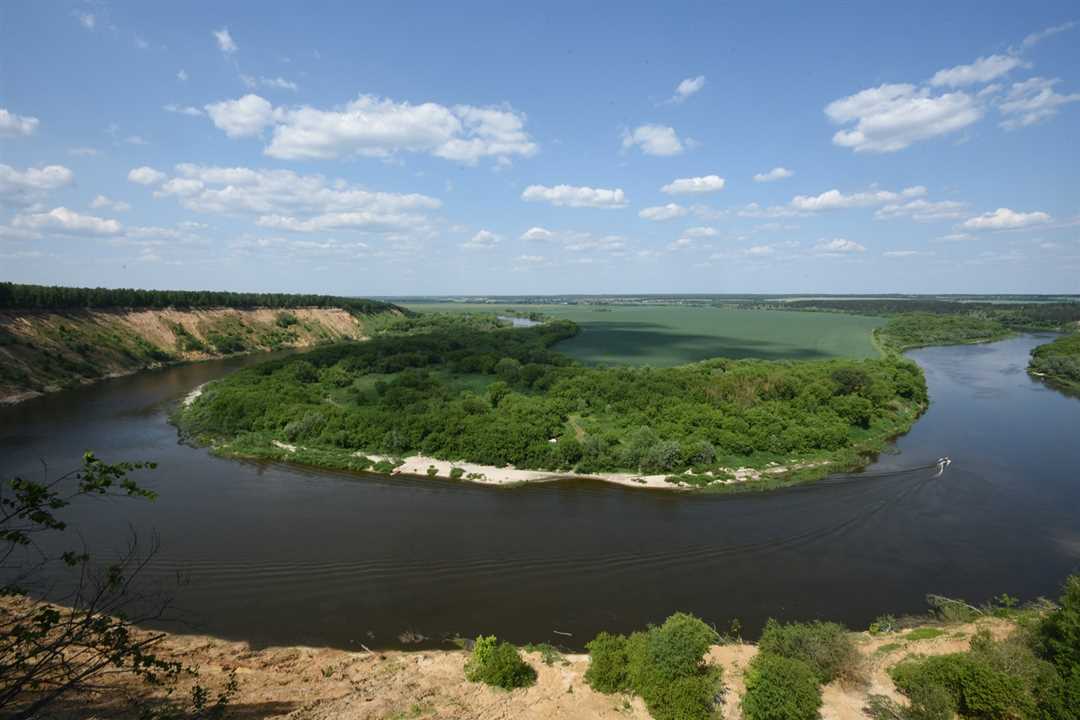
[{"x": 280, "y": 555}]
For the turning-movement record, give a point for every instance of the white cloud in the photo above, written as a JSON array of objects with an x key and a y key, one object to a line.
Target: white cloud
[
  {"x": 1037, "y": 37},
  {"x": 663, "y": 212},
  {"x": 777, "y": 173},
  {"x": 684, "y": 186},
  {"x": 224, "y": 41},
  {"x": 12, "y": 125},
  {"x": 102, "y": 201},
  {"x": 87, "y": 20},
  {"x": 956, "y": 237},
  {"x": 84, "y": 151},
  {"x": 1032, "y": 101},
  {"x": 907, "y": 253},
  {"x": 68, "y": 222},
  {"x": 688, "y": 87},
  {"x": 279, "y": 82},
  {"x": 537, "y": 234},
  {"x": 574, "y": 196},
  {"x": 1005, "y": 219},
  {"x": 834, "y": 199},
  {"x": 891, "y": 117},
  {"x": 378, "y": 127},
  {"x": 182, "y": 75},
  {"x": 982, "y": 70},
  {"x": 838, "y": 246},
  {"x": 699, "y": 232},
  {"x": 242, "y": 117},
  {"x": 482, "y": 240},
  {"x": 922, "y": 210},
  {"x": 285, "y": 200},
  {"x": 136, "y": 140},
  {"x": 653, "y": 140},
  {"x": 759, "y": 250},
  {"x": 183, "y": 110},
  {"x": 683, "y": 243},
  {"x": 754, "y": 210},
  {"x": 33, "y": 184},
  {"x": 530, "y": 260},
  {"x": 146, "y": 176}
]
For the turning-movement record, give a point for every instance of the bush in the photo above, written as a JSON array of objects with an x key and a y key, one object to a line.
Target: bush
[
  {"x": 1058, "y": 636},
  {"x": 664, "y": 665},
  {"x": 826, "y": 647},
  {"x": 780, "y": 688},
  {"x": 975, "y": 688},
  {"x": 456, "y": 473},
  {"x": 498, "y": 664}
]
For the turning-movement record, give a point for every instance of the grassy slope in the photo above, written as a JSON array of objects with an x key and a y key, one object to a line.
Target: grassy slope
[{"x": 664, "y": 336}]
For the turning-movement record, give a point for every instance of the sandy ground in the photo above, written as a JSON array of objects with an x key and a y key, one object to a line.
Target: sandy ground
[
  {"x": 301, "y": 683},
  {"x": 509, "y": 475}
]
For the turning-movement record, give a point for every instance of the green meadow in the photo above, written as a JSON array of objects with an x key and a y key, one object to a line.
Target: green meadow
[{"x": 666, "y": 335}]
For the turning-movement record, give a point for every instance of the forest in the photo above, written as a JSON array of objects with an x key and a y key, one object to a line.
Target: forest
[
  {"x": 451, "y": 387},
  {"x": 1013, "y": 315},
  {"x": 1059, "y": 360},
  {"x": 921, "y": 329},
  {"x": 16, "y": 296}
]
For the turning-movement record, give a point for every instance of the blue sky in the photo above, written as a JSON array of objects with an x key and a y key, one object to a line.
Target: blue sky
[{"x": 438, "y": 148}]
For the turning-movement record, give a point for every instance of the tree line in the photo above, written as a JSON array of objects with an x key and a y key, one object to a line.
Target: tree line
[{"x": 17, "y": 296}]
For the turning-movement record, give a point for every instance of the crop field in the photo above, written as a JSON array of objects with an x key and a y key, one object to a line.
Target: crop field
[{"x": 668, "y": 335}]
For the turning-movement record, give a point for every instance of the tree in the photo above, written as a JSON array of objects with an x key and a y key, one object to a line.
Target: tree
[{"x": 48, "y": 651}]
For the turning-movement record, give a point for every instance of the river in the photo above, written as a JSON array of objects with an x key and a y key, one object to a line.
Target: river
[{"x": 274, "y": 554}]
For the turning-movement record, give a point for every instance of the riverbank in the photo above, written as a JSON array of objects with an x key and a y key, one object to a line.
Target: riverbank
[
  {"x": 44, "y": 351},
  {"x": 308, "y": 683}
]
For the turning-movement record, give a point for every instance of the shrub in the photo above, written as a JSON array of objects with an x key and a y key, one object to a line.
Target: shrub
[
  {"x": 664, "y": 665},
  {"x": 1058, "y": 635},
  {"x": 456, "y": 473},
  {"x": 608, "y": 662},
  {"x": 498, "y": 664},
  {"x": 825, "y": 647},
  {"x": 975, "y": 688},
  {"x": 780, "y": 688},
  {"x": 432, "y": 471}
]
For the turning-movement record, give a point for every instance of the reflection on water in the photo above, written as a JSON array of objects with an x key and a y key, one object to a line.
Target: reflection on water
[{"x": 277, "y": 554}]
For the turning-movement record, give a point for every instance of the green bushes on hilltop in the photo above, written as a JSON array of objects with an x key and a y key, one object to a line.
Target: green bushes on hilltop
[
  {"x": 665, "y": 665},
  {"x": 825, "y": 647},
  {"x": 780, "y": 688}
]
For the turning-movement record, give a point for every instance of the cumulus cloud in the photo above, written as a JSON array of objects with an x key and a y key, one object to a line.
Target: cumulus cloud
[
  {"x": 688, "y": 87},
  {"x": 378, "y": 127},
  {"x": 653, "y": 140},
  {"x": 922, "y": 210},
  {"x": 146, "y": 176},
  {"x": 575, "y": 196},
  {"x": 700, "y": 232},
  {"x": 68, "y": 222},
  {"x": 536, "y": 234},
  {"x": 102, "y": 201},
  {"x": 87, "y": 20},
  {"x": 891, "y": 117},
  {"x": 24, "y": 187},
  {"x": 777, "y": 173},
  {"x": 243, "y": 117},
  {"x": 693, "y": 185},
  {"x": 224, "y": 41},
  {"x": 285, "y": 200},
  {"x": 838, "y": 246},
  {"x": 1032, "y": 101},
  {"x": 663, "y": 212},
  {"x": 1005, "y": 219},
  {"x": 834, "y": 199},
  {"x": 12, "y": 125},
  {"x": 983, "y": 70},
  {"x": 482, "y": 240},
  {"x": 182, "y": 75}
]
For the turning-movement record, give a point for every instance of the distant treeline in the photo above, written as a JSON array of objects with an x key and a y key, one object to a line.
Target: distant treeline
[
  {"x": 15, "y": 296},
  {"x": 1035, "y": 315}
]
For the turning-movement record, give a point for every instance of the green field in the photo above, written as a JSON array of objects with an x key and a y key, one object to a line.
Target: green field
[{"x": 667, "y": 335}]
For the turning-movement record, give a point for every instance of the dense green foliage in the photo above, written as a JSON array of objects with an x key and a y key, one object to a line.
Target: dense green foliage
[
  {"x": 1059, "y": 360},
  {"x": 664, "y": 335},
  {"x": 780, "y": 688},
  {"x": 824, "y": 646},
  {"x": 664, "y": 665},
  {"x": 1034, "y": 674},
  {"x": 1017, "y": 314},
  {"x": 39, "y": 297},
  {"x": 498, "y": 664},
  {"x": 922, "y": 329},
  {"x": 441, "y": 387}
]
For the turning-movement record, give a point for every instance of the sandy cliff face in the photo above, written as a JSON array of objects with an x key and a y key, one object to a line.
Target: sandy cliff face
[{"x": 41, "y": 351}]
